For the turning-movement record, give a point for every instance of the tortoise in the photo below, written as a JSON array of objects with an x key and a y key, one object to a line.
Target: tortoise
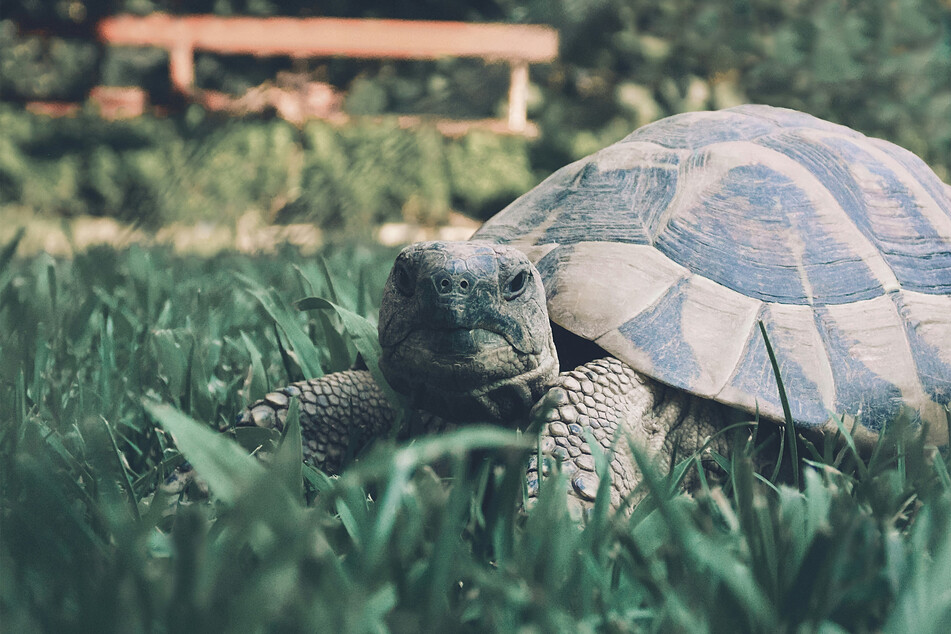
[{"x": 645, "y": 270}]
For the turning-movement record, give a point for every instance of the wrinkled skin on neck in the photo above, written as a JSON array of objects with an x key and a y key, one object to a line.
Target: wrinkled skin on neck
[{"x": 465, "y": 333}]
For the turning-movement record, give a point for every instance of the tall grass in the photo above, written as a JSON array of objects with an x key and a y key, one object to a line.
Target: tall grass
[{"x": 115, "y": 362}]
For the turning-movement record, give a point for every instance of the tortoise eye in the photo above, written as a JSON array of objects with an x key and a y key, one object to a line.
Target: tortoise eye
[
  {"x": 516, "y": 286},
  {"x": 403, "y": 280}
]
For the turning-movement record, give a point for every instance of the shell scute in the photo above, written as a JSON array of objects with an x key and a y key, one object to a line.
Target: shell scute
[
  {"x": 881, "y": 202},
  {"x": 874, "y": 366},
  {"x": 657, "y": 332},
  {"x": 753, "y": 382},
  {"x": 927, "y": 323},
  {"x": 688, "y": 132},
  {"x": 603, "y": 207}
]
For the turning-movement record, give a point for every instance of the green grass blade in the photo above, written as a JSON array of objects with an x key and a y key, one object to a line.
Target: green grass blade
[
  {"x": 256, "y": 385},
  {"x": 306, "y": 284},
  {"x": 288, "y": 459},
  {"x": 705, "y": 563},
  {"x": 446, "y": 547},
  {"x": 120, "y": 465},
  {"x": 923, "y": 603},
  {"x": 302, "y": 348},
  {"x": 850, "y": 443},
  {"x": 354, "y": 527},
  {"x": 254, "y": 439},
  {"x": 339, "y": 354},
  {"x": 380, "y": 463},
  {"x": 226, "y": 468},
  {"x": 318, "y": 480},
  {"x": 20, "y": 405},
  {"x": 365, "y": 339},
  {"x": 389, "y": 504},
  {"x": 787, "y": 413},
  {"x": 363, "y": 288},
  {"x": 779, "y": 457},
  {"x": 377, "y": 607},
  {"x": 290, "y": 361},
  {"x": 602, "y": 463},
  {"x": 329, "y": 280},
  {"x": 941, "y": 469},
  {"x": 172, "y": 361},
  {"x": 50, "y": 285}
]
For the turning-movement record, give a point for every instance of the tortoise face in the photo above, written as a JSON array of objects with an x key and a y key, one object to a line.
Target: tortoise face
[{"x": 465, "y": 332}]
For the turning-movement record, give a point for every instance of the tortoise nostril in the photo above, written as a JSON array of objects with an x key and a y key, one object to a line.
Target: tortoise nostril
[
  {"x": 463, "y": 284},
  {"x": 444, "y": 283}
]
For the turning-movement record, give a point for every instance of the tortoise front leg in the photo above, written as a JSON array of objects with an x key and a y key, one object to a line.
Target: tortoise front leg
[
  {"x": 338, "y": 414},
  {"x": 605, "y": 397},
  {"x": 336, "y": 411}
]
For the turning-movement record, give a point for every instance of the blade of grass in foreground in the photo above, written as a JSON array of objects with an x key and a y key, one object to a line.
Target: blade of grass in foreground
[
  {"x": 288, "y": 459},
  {"x": 305, "y": 353},
  {"x": 787, "y": 413},
  {"x": 382, "y": 460},
  {"x": 850, "y": 443},
  {"x": 339, "y": 356},
  {"x": 705, "y": 562},
  {"x": 222, "y": 463},
  {"x": 366, "y": 341},
  {"x": 256, "y": 384},
  {"x": 120, "y": 465}
]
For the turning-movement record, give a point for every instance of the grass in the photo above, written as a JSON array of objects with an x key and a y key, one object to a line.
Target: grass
[{"x": 114, "y": 362}]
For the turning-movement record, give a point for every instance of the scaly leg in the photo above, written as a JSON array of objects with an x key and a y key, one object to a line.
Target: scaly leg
[
  {"x": 605, "y": 397},
  {"x": 339, "y": 412}
]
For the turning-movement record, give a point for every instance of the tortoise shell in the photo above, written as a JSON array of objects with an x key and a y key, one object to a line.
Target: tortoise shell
[{"x": 668, "y": 247}]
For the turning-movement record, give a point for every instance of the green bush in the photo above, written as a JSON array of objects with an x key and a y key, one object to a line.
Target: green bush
[
  {"x": 879, "y": 67},
  {"x": 369, "y": 173},
  {"x": 199, "y": 167},
  {"x": 366, "y": 174},
  {"x": 488, "y": 171},
  {"x": 35, "y": 67}
]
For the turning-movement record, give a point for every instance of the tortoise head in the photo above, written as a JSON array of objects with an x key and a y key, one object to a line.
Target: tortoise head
[{"x": 465, "y": 333}]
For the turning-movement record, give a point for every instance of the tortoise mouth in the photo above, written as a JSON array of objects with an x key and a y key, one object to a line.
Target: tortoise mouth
[
  {"x": 468, "y": 375},
  {"x": 456, "y": 360},
  {"x": 456, "y": 343}
]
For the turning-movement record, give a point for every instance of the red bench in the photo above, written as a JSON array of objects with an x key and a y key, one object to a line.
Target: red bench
[{"x": 517, "y": 44}]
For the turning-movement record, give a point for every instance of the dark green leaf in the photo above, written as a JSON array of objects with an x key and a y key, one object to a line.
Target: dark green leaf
[
  {"x": 226, "y": 468},
  {"x": 302, "y": 348},
  {"x": 288, "y": 459},
  {"x": 365, "y": 339}
]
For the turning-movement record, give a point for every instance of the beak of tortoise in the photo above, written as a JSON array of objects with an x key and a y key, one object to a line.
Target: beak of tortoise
[{"x": 465, "y": 342}]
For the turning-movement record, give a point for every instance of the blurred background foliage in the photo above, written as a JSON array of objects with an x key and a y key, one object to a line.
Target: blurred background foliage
[
  {"x": 201, "y": 168},
  {"x": 882, "y": 67}
]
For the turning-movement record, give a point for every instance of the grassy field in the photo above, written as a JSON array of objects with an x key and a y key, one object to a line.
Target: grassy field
[{"x": 107, "y": 355}]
